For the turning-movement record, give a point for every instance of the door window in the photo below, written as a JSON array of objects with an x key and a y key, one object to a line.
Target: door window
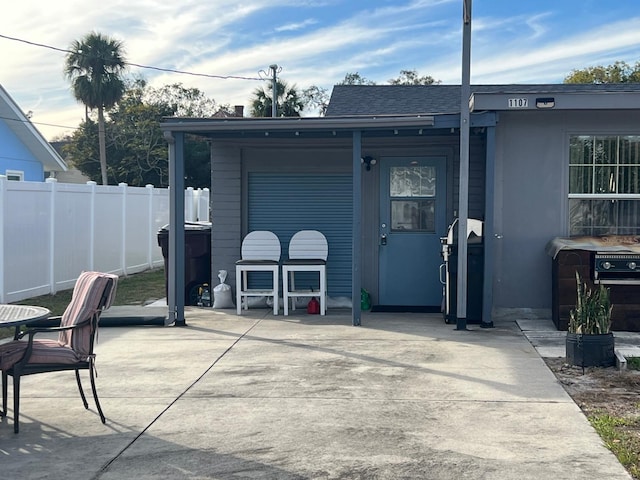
[{"x": 412, "y": 192}]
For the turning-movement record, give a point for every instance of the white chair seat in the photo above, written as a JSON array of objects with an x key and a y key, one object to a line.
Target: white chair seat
[
  {"x": 308, "y": 251},
  {"x": 260, "y": 253}
]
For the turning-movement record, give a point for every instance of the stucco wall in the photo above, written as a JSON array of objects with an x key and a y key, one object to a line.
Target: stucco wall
[{"x": 532, "y": 150}]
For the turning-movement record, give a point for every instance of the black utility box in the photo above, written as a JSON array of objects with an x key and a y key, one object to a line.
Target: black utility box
[{"x": 197, "y": 258}]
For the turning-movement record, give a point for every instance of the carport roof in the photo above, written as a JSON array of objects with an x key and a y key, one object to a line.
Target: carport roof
[
  {"x": 336, "y": 127},
  {"x": 194, "y": 125}
]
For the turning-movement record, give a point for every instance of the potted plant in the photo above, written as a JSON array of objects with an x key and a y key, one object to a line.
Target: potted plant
[{"x": 590, "y": 343}]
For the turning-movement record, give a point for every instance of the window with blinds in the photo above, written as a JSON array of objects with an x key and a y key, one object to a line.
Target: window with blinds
[{"x": 604, "y": 185}]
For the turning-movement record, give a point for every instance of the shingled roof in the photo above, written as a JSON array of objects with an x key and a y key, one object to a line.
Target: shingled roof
[{"x": 349, "y": 100}]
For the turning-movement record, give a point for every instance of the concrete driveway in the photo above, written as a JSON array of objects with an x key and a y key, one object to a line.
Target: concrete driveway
[{"x": 307, "y": 397}]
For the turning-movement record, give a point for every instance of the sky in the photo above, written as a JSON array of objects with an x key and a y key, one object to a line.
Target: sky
[{"x": 313, "y": 42}]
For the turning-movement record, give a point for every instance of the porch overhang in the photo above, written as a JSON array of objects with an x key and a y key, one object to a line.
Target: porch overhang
[
  {"x": 380, "y": 126},
  {"x": 298, "y": 124},
  {"x": 349, "y": 131}
]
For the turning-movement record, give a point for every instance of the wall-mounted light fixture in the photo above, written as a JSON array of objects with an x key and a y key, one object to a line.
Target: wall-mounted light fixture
[
  {"x": 546, "y": 102},
  {"x": 368, "y": 161}
]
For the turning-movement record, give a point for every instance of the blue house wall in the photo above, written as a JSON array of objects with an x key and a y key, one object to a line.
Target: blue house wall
[{"x": 14, "y": 155}]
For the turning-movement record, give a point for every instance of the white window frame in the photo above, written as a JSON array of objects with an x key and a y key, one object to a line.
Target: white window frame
[
  {"x": 12, "y": 174},
  {"x": 609, "y": 196}
]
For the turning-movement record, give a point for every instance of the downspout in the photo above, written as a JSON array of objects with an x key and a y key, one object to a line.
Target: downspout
[{"x": 175, "y": 275}]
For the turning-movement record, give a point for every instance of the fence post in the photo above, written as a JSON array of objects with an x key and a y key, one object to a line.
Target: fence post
[
  {"x": 92, "y": 223},
  {"x": 150, "y": 223},
  {"x": 53, "y": 183},
  {"x": 188, "y": 202},
  {"x": 204, "y": 206},
  {"x": 3, "y": 202},
  {"x": 123, "y": 241}
]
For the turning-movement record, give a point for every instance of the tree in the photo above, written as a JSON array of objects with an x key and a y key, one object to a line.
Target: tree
[
  {"x": 288, "y": 102},
  {"x": 316, "y": 97},
  {"x": 410, "y": 77},
  {"x": 185, "y": 102},
  {"x": 355, "y": 79},
  {"x": 94, "y": 66},
  {"x": 137, "y": 149},
  {"x": 618, "y": 72}
]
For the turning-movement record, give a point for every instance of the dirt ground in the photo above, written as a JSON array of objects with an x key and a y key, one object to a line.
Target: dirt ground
[
  {"x": 607, "y": 392},
  {"x": 600, "y": 389}
]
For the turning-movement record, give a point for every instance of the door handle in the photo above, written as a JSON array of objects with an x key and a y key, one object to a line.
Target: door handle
[{"x": 383, "y": 239}]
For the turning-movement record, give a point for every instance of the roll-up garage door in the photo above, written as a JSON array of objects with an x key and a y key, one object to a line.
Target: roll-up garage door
[{"x": 287, "y": 203}]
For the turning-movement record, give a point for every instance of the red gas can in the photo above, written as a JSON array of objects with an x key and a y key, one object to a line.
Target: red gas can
[{"x": 313, "y": 307}]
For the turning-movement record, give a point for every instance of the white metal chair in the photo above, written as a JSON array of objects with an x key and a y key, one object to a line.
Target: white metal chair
[
  {"x": 260, "y": 253},
  {"x": 308, "y": 251}
]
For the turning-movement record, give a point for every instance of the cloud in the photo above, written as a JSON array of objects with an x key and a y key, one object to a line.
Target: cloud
[
  {"x": 292, "y": 27},
  {"x": 316, "y": 42}
]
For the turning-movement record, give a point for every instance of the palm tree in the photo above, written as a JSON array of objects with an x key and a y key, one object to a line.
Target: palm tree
[
  {"x": 94, "y": 66},
  {"x": 288, "y": 102}
]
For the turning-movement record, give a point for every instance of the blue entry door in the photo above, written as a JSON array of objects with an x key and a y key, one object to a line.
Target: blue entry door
[{"x": 412, "y": 220}]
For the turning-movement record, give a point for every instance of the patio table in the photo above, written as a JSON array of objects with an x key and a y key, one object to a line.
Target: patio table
[{"x": 17, "y": 315}]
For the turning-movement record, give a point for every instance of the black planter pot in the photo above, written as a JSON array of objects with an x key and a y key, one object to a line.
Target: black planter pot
[{"x": 590, "y": 350}]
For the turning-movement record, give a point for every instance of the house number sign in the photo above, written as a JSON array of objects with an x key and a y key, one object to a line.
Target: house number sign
[{"x": 518, "y": 103}]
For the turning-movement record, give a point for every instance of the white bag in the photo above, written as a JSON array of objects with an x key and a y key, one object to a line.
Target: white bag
[{"x": 222, "y": 297}]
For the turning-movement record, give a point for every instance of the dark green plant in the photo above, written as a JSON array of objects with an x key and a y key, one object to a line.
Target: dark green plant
[{"x": 592, "y": 314}]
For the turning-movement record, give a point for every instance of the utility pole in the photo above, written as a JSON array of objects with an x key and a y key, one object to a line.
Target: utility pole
[
  {"x": 463, "y": 192},
  {"x": 274, "y": 101}
]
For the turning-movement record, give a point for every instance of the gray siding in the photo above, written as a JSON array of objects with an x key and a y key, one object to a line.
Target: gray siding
[
  {"x": 231, "y": 167},
  {"x": 531, "y": 195},
  {"x": 226, "y": 210},
  {"x": 477, "y": 158}
]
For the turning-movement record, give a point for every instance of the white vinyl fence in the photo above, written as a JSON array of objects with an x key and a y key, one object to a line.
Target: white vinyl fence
[{"x": 50, "y": 232}]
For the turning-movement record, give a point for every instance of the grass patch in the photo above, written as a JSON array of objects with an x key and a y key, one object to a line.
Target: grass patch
[
  {"x": 137, "y": 289},
  {"x": 620, "y": 435},
  {"x": 633, "y": 363}
]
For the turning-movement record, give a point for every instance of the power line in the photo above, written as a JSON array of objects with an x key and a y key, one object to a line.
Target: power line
[
  {"x": 37, "y": 123},
  {"x": 148, "y": 67}
]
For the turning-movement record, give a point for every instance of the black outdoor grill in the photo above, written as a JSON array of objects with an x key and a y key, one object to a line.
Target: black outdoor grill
[
  {"x": 475, "y": 271},
  {"x": 612, "y": 261},
  {"x": 616, "y": 268}
]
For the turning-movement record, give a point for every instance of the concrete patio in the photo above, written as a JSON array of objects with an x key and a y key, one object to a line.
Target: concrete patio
[{"x": 305, "y": 396}]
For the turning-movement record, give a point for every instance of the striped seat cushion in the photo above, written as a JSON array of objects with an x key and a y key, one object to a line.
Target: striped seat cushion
[
  {"x": 85, "y": 302},
  {"x": 44, "y": 351},
  {"x": 72, "y": 345}
]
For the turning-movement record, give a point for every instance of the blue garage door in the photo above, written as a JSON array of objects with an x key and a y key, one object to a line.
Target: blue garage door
[{"x": 287, "y": 203}]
